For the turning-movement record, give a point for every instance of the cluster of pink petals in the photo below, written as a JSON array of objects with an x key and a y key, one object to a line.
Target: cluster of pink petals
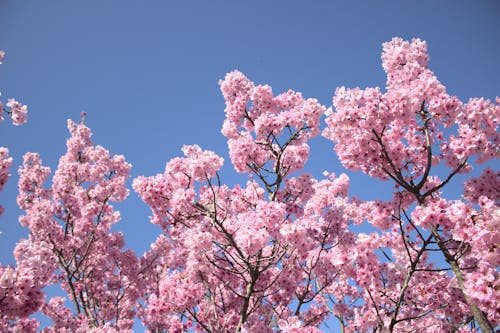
[
  {"x": 487, "y": 184},
  {"x": 257, "y": 123},
  {"x": 173, "y": 191},
  {"x": 483, "y": 232},
  {"x": 383, "y": 126},
  {"x": 22, "y": 287},
  {"x": 477, "y": 131},
  {"x": 18, "y": 112}
]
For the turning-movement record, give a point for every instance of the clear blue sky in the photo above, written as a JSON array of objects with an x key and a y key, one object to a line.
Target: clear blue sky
[{"x": 147, "y": 73}]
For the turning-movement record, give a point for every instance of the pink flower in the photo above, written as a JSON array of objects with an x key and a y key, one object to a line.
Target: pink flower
[{"x": 19, "y": 112}]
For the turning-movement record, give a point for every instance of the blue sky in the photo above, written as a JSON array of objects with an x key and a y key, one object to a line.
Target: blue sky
[{"x": 147, "y": 72}]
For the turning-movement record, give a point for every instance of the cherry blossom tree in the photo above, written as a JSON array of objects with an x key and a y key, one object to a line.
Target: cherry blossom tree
[
  {"x": 283, "y": 252},
  {"x": 404, "y": 135},
  {"x": 70, "y": 243}
]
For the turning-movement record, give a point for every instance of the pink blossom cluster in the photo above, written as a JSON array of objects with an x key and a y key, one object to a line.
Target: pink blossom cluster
[
  {"x": 475, "y": 240},
  {"x": 173, "y": 191},
  {"x": 482, "y": 230},
  {"x": 477, "y": 131},
  {"x": 395, "y": 131},
  {"x": 265, "y": 129},
  {"x": 17, "y": 111},
  {"x": 487, "y": 184},
  {"x": 436, "y": 212},
  {"x": 21, "y": 288}
]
